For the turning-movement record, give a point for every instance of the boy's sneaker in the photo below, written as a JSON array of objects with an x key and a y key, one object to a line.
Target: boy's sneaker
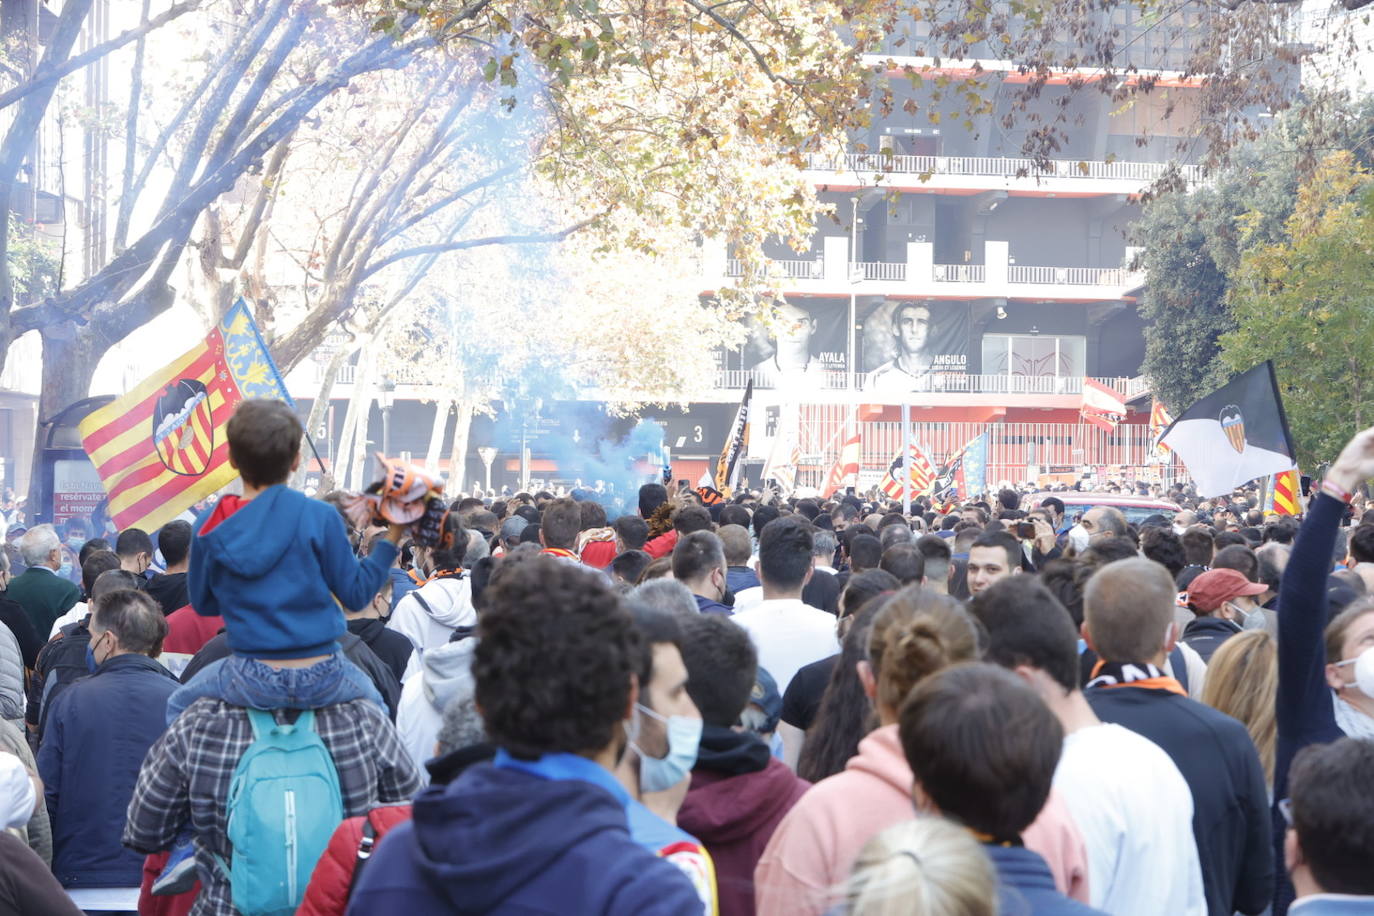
[{"x": 179, "y": 875}]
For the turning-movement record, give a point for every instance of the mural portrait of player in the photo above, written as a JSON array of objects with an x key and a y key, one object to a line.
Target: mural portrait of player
[
  {"x": 908, "y": 344},
  {"x": 806, "y": 341}
]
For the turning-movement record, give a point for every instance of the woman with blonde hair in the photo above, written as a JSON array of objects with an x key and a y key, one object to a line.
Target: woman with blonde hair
[
  {"x": 915, "y": 634},
  {"x": 1242, "y": 681},
  {"x": 923, "y": 867}
]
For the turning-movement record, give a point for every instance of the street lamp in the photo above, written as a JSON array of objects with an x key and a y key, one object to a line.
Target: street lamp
[
  {"x": 488, "y": 454},
  {"x": 853, "y": 293},
  {"x": 385, "y": 398}
]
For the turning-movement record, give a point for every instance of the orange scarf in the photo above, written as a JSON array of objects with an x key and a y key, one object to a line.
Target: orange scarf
[{"x": 1117, "y": 674}]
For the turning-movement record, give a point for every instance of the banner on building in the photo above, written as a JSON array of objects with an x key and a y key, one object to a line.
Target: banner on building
[
  {"x": 162, "y": 447},
  {"x": 919, "y": 471},
  {"x": 908, "y": 344},
  {"x": 730, "y": 465},
  {"x": 807, "y": 339},
  {"x": 1234, "y": 435},
  {"x": 845, "y": 471}
]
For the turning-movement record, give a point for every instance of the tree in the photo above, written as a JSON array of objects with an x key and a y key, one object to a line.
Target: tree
[
  {"x": 1305, "y": 302},
  {"x": 1193, "y": 241}
]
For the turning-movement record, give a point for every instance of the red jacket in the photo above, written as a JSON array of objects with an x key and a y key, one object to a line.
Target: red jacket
[
  {"x": 188, "y": 632},
  {"x": 734, "y": 817},
  {"x": 662, "y": 545},
  {"x": 327, "y": 894}
]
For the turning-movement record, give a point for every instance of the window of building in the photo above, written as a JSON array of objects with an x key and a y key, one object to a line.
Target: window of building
[{"x": 1035, "y": 355}]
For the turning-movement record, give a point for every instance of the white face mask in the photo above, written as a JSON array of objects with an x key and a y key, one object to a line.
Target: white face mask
[
  {"x": 1364, "y": 671},
  {"x": 1253, "y": 619},
  {"x": 1078, "y": 538}
]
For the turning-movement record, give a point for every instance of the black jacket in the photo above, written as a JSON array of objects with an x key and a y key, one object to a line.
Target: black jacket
[
  {"x": 822, "y": 592},
  {"x": 1230, "y": 799},
  {"x": 169, "y": 590},
  {"x": 393, "y": 648},
  {"x": 12, "y": 615},
  {"x": 60, "y": 663},
  {"x": 353, "y": 647},
  {"x": 1204, "y": 635}
]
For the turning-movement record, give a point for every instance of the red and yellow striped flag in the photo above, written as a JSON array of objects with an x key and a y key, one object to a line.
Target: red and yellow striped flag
[
  {"x": 1159, "y": 422},
  {"x": 162, "y": 447},
  {"x": 1285, "y": 500}
]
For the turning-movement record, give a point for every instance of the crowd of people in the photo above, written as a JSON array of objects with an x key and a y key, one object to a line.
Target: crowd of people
[{"x": 758, "y": 705}]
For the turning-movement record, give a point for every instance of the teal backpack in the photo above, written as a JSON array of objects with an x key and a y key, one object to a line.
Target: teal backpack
[{"x": 284, "y": 803}]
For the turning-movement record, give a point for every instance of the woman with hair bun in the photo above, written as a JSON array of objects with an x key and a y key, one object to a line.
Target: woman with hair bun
[
  {"x": 923, "y": 867},
  {"x": 915, "y": 634}
]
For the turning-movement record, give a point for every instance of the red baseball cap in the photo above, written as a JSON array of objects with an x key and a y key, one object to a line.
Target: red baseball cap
[{"x": 1215, "y": 587}]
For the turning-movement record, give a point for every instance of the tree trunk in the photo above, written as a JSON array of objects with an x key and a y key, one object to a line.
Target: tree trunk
[
  {"x": 361, "y": 407},
  {"x": 69, "y": 360},
  {"x": 457, "y": 459},
  {"x": 436, "y": 434},
  {"x": 318, "y": 408}
]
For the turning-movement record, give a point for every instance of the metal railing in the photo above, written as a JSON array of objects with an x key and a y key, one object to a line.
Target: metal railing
[
  {"x": 896, "y": 272},
  {"x": 791, "y": 268},
  {"x": 995, "y": 167},
  {"x": 1069, "y": 276},
  {"x": 960, "y": 273},
  {"x": 935, "y": 383},
  {"x": 881, "y": 270}
]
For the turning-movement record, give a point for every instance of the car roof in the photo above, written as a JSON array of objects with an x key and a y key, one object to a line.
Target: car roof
[{"x": 1080, "y": 498}]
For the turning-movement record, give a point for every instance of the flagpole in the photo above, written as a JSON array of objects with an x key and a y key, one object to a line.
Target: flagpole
[{"x": 906, "y": 458}]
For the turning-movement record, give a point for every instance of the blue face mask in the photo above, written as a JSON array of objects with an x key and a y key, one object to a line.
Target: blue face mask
[
  {"x": 76, "y": 543},
  {"x": 657, "y": 774},
  {"x": 90, "y": 659},
  {"x": 65, "y": 570}
]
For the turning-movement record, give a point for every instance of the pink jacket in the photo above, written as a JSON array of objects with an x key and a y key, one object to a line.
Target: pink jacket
[{"x": 806, "y": 864}]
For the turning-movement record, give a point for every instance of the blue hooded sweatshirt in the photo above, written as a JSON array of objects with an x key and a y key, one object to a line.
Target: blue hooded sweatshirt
[
  {"x": 506, "y": 839},
  {"x": 272, "y": 566}
]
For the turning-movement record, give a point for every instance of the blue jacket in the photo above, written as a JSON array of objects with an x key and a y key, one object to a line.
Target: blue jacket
[
  {"x": 272, "y": 570},
  {"x": 1303, "y": 707},
  {"x": 99, "y": 731},
  {"x": 515, "y": 837},
  {"x": 1025, "y": 886},
  {"x": 738, "y": 578},
  {"x": 707, "y": 606}
]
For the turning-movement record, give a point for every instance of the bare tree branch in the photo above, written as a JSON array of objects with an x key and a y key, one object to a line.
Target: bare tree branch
[
  {"x": 86, "y": 58},
  {"x": 538, "y": 238}
]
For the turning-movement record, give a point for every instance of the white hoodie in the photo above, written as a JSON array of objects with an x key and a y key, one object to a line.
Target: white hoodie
[
  {"x": 430, "y": 614},
  {"x": 445, "y": 677}
]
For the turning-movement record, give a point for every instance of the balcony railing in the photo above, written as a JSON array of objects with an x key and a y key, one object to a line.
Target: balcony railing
[
  {"x": 938, "y": 383},
  {"x": 1068, "y": 276},
  {"x": 792, "y": 269},
  {"x": 994, "y": 167},
  {"x": 881, "y": 270},
  {"x": 961, "y": 273},
  {"x": 896, "y": 272}
]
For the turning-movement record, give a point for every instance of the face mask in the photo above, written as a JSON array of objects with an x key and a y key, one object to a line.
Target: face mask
[
  {"x": 657, "y": 774},
  {"x": 76, "y": 543},
  {"x": 90, "y": 659},
  {"x": 1078, "y": 538},
  {"x": 1253, "y": 619},
  {"x": 1364, "y": 671},
  {"x": 65, "y": 570}
]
